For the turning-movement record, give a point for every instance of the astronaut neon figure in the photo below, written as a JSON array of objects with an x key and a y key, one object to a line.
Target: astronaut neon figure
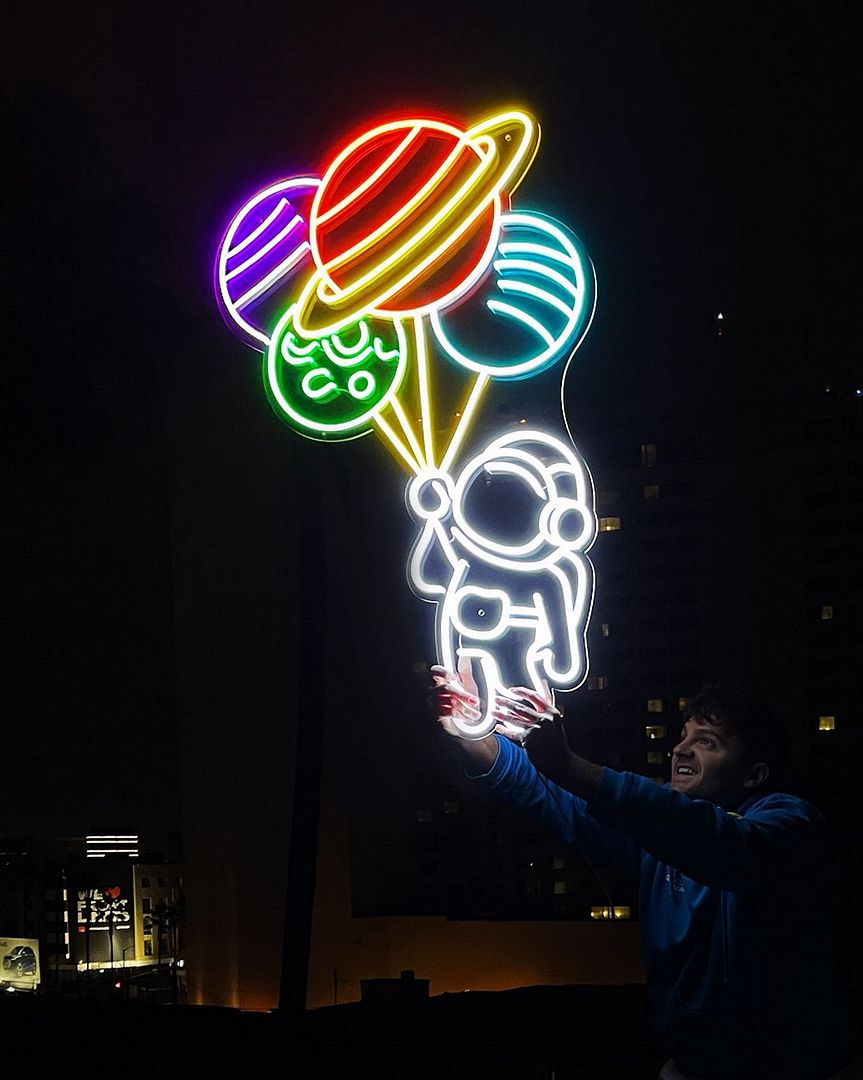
[{"x": 403, "y": 267}]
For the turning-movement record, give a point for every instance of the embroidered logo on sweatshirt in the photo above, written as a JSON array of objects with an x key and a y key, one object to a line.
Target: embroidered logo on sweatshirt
[{"x": 675, "y": 879}]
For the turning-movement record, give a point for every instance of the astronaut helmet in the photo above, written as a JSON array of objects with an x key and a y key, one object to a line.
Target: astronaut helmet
[{"x": 526, "y": 496}]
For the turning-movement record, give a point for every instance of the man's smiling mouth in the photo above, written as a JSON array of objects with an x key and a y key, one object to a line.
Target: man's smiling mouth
[{"x": 684, "y": 770}]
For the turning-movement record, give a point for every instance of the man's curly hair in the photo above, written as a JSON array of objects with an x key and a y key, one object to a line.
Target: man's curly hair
[{"x": 754, "y": 722}]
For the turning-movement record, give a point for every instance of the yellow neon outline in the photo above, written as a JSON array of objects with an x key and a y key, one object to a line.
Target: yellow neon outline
[
  {"x": 458, "y": 435},
  {"x": 424, "y": 388},
  {"x": 448, "y": 210},
  {"x": 387, "y": 226},
  {"x": 396, "y": 444},
  {"x": 408, "y": 429},
  {"x": 374, "y": 177},
  {"x": 341, "y": 303}
]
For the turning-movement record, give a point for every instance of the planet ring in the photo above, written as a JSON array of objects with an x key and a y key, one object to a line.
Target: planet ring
[{"x": 505, "y": 146}]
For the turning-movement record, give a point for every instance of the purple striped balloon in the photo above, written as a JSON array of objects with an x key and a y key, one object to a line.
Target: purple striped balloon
[{"x": 265, "y": 258}]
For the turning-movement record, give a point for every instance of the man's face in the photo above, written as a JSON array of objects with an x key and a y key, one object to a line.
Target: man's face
[{"x": 709, "y": 762}]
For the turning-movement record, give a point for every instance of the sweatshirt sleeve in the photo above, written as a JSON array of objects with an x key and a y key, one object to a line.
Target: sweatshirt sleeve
[
  {"x": 514, "y": 780},
  {"x": 773, "y": 839}
]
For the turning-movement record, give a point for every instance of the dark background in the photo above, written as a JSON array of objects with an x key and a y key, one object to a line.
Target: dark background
[{"x": 702, "y": 152}]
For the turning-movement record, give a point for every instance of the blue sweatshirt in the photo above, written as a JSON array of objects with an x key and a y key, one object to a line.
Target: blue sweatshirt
[{"x": 735, "y": 912}]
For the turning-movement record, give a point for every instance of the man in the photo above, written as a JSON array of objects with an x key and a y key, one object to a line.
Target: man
[{"x": 733, "y": 876}]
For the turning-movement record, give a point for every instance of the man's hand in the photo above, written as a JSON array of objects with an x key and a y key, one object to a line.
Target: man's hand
[
  {"x": 456, "y": 696},
  {"x": 521, "y": 710}
]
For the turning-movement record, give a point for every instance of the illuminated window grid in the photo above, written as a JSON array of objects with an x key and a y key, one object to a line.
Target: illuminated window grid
[
  {"x": 655, "y": 704},
  {"x": 620, "y": 911},
  {"x": 826, "y": 612},
  {"x": 648, "y": 455},
  {"x": 826, "y": 723},
  {"x": 609, "y": 524},
  {"x": 655, "y": 731},
  {"x": 606, "y": 629},
  {"x": 655, "y": 757},
  {"x": 597, "y": 682},
  {"x": 651, "y": 491}
]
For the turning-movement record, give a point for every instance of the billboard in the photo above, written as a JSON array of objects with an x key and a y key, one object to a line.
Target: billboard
[{"x": 19, "y": 963}]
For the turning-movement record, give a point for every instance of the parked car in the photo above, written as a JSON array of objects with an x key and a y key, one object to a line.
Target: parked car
[{"x": 20, "y": 961}]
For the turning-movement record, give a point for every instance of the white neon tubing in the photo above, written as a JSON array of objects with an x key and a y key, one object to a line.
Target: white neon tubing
[
  {"x": 403, "y": 212},
  {"x": 484, "y": 144},
  {"x": 372, "y": 179},
  {"x": 499, "y": 468},
  {"x": 304, "y": 423},
  {"x": 557, "y": 652},
  {"x": 501, "y": 308},
  {"x": 320, "y": 391},
  {"x": 253, "y": 236},
  {"x": 261, "y": 252},
  {"x": 345, "y": 361},
  {"x": 569, "y": 257},
  {"x": 362, "y": 341},
  {"x": 227, "y": 251},
  {"x": 543, "y": 295},
  {"x": 275, "y": 275},
  {"x": 493, "y": 632},
  {"x": 297, "y": 354},
  {"x": 539, "y": 269},
  {"x": 356, "y": 388}
]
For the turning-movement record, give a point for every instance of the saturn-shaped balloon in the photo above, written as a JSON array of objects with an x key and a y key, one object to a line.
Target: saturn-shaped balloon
[{"x": 407, "y": 217}]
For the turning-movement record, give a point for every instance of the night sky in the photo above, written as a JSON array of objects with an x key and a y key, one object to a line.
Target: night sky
[{"x": 702, "y": 152}]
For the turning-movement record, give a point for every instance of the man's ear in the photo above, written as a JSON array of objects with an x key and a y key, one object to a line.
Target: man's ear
[{"x": 756, "y": 775}]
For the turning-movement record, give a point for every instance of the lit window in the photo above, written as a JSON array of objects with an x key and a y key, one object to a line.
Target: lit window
[
  {"x": 655, "y": 731},
  {"x": 148, "y": 948},
  {"x": 609, "y": 524},
  {"x": 648, "y": 454},
  {"x": 655, "y": 757},
  {"x": 826, "y": 611},
  {"x": 597, "y": 682},
  {"x": 681, "y": 703},
  {"x": 561, "y": 887},
  {"x": 654, "y": 704},
  {"x": 651, "y": 491},
  {"x": 606, "y": 629},
  {"x": 450, "y": 806},
  {"x": 622, "y": 911},
  {"x": 826, "y": 723}
]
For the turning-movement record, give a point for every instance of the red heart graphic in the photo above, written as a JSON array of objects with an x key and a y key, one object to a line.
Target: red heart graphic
[{"x": 113, "y": 891}]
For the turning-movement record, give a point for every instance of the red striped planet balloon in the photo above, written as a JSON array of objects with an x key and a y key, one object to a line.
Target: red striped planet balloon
[{"x": 407, "y": 216}]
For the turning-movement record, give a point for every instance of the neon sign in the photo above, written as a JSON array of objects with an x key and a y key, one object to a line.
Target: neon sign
[{"x": 403, "y": 268}]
